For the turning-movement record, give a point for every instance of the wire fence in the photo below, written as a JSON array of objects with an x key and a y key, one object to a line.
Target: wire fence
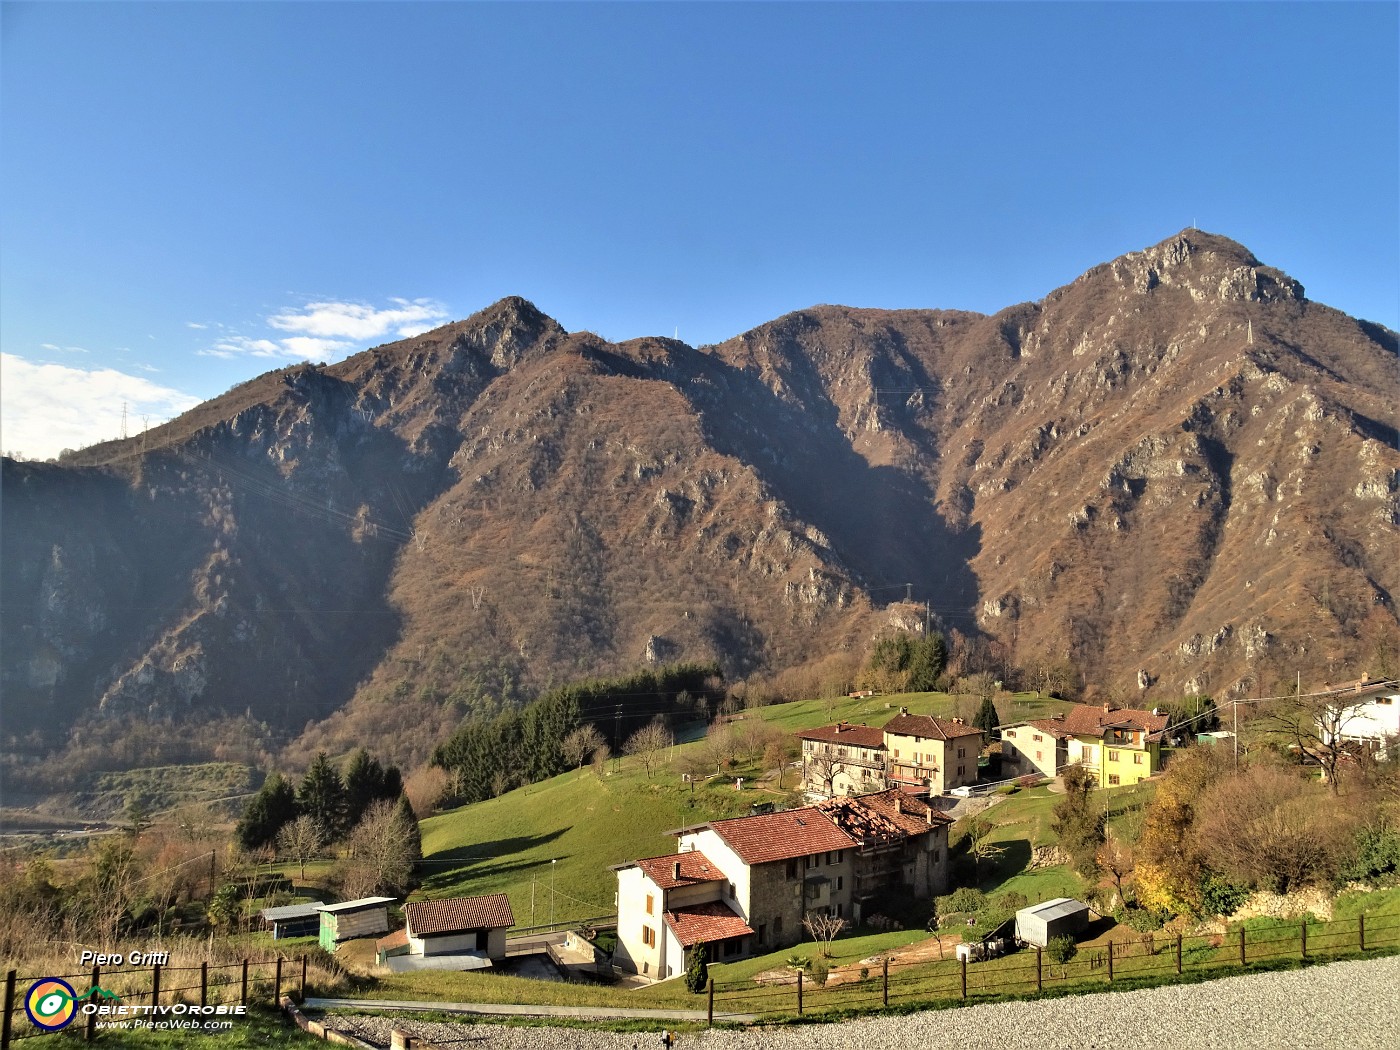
[
  {"x": 1147, "y": 957},
  {"x": 175, "y": 989}
]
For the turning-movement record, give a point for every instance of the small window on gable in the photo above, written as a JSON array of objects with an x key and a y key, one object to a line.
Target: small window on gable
[
  {"x": 651, "y": 904},
  {"x": 1038, "y": 738}
]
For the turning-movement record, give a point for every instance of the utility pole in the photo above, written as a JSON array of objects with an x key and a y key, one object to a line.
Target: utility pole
[{"x": 552, "y": 865}]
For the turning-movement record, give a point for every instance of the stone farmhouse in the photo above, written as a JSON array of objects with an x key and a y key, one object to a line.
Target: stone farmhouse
[
  {"x": 744, "y": 886},
  {"x": 1118, "y": 746},
  {"x": 917, "y": 753}
]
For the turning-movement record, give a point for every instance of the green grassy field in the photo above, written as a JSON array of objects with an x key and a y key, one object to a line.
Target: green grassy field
[{"x": 549, "y": 846}]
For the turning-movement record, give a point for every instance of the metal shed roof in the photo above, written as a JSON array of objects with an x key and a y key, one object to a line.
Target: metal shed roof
[
  {"x": 357, "y": 905},
  {"x": 1055, "y": 909},
  {"x": 292, "y": 911}
]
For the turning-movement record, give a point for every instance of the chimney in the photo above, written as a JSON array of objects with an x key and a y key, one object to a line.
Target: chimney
[
  {"x": 676, "y": 871},
  {"x": 1107, "y": 707},
  {"x": 904, "y": 710}
]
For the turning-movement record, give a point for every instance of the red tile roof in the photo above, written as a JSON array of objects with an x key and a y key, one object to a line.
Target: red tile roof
[
  {"x": 459, "y": 913},
  {"x": 781, "y": 836},
  {"x": 913, "y": 816},
  {"x": 1087, "y": 720},
  {"x": 929, "y": 728},
  {"x": 695, "y": 868},
  {"x": 844, "y": 733},
  {"x": 709, "y": 922}
]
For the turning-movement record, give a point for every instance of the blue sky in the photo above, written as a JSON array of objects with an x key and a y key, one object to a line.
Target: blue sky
[{"x": 192, "y": 194}]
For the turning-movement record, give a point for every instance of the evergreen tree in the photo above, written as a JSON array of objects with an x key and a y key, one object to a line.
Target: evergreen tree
[
  {"x": 987, "y": 718},
  {"x": 927, "y": 657},
  {"x": 322, "y": 797},
  {"x": 697, "y": 969},
  {"x": 403, "y": 812},
  {"x": 274, "y": 806},
  {"x": 364, "y": 783}
]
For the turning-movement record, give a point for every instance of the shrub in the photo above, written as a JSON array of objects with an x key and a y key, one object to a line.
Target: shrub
[
  {"x": 1143, "y": 920},
  {"x": 1010, "y": 901},
  {"x": 1061, "y": 949},
  {"x": 820, "y": 971},
  {"x": 1008, "y": 789},
  {"x": 1220, "y": 896},
  {"x": 965, "y": 898}
]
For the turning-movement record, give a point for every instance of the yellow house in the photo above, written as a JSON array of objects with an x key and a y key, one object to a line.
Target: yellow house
[{"x": 1116, "y": 745}]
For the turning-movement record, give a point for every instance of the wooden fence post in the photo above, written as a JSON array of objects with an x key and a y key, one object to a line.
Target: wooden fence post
[
  {"x": 155, "y": 985},
  {"x": 1038, "y": 976},
  {"x": 277, "y": 985},
  {"x": 885, "y": 980},
  {"x": 964, "y": 976},
  {"x": 710, "y": 1006},
  {"x": 1362, "y": 918},
  {"x": 1178, "y": 955},
  {"x": 9, "y": 1009},
  {"x": 243, "y": 998},
  {"x": 799, "y": 993},
  {"x": 204, "y": 983},
  {"x": 91, "y": 1032},
  {"x": 1303, "y": 934},
  {"x": 303, "y": 978},
  {"x": 1242, "y": 959}
]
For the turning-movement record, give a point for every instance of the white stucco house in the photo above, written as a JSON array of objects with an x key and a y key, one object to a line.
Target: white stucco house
[
  {"x": 456, "y": 933},
  {"x": 1366, "y": 712}
]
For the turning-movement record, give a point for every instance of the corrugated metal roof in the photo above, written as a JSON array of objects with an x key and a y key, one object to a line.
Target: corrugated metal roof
[
  {"x": 1054, "y": 909},
  {"x": 292, "y": 911},
  {"x": 357, "y": 905}
]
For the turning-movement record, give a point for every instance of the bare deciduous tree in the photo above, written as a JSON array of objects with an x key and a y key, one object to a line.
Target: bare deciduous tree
[
  {"x": 579, "y": 746},
  {"x": 823, "y": 928},
  {"x": 380, "y": 852},
  {"x": 1316, "y": 726},
  {"x": 820, "y": 768},
  {"x": 648, "y": 743},
  {"x": 302, "y": 840},
  {"x": 1115, "y": 856}
]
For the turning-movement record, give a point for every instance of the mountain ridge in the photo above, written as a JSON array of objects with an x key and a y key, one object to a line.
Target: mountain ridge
[{"x": 1103, "y": 478}]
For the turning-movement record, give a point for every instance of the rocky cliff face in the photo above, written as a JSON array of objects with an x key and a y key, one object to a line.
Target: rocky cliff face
[{"x": 1175, "y": 473}]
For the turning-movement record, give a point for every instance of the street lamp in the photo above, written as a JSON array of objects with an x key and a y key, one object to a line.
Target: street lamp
[{"x": 552, "y": 864}]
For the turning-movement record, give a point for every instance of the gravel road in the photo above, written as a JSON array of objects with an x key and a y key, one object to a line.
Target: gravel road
[{"x": 1351, "y": 1005}]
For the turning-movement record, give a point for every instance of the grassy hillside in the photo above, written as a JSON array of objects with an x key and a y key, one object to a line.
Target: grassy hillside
[{"x": 555, "y": 841}]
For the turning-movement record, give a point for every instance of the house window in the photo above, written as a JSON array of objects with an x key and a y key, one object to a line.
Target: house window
[
  {"x": 828, "y": 856},
  {"x": 1038, "y": 738},
  {"x": 778, "y": 926},
  {"x": 1113, "y": 756},
  {"x": 962, "y": 752},
  {"x": 762, "y": 931},
  {"x": 1385, "y": 700},
  {"x": 792, "y": 869},
  {"x": 960, "y": 771},
  {"x": 838, "y": 911},
  {"x": 896, "y": 752},
  {"x": 840, "y": 855},
  {"x": 839, "y": 881},
  {"x": 1113, "y": 779},
  {"x": 1039, "y": 756},
  {"x": 651, "y": 904},
  {"x": 648, "y": 936},
  {"x": 1137, "y": 759}
]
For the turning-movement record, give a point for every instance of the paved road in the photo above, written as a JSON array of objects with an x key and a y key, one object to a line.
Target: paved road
[
  {"x": 573, "y": 1013},
  {"x": 1349, "y": 1005}
]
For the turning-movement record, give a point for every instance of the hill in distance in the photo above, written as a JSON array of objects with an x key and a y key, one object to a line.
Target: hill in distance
[{"x": 1175, "y": 474}]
